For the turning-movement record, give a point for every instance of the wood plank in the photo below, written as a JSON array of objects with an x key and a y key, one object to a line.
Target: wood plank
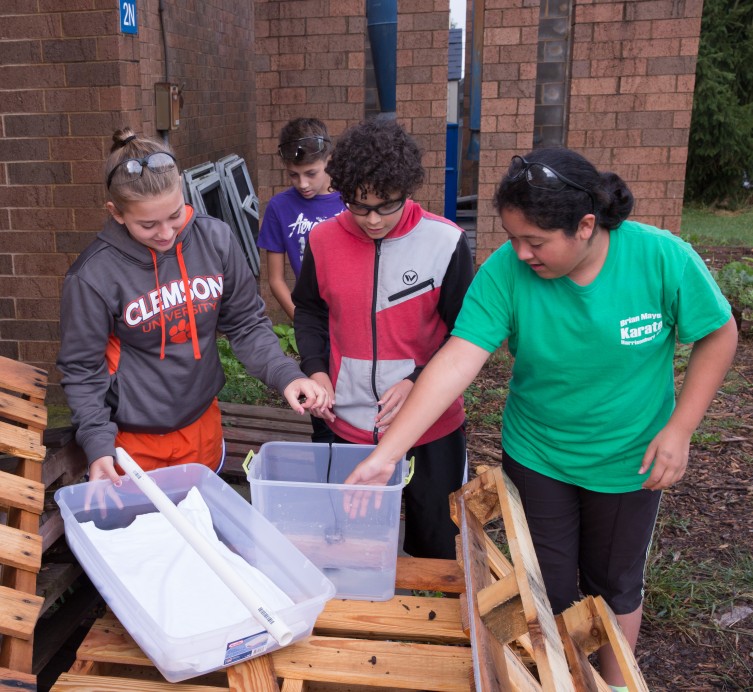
[
  {"x": 425, "y": 574},
  {"x": 15, "y": 680},
  {"x": 363, "y": 662},
  {"x": 70, "y": 682},
  {"x": 290, "y": 685},
  {"x": 626, "y": 660},
  {"x": 584, "y": 625},
  {"x": 21, "y": 442},
  {"x": 51, "y": 633},
  {"x": 403, "y": 617},
  {"x": 256, "y": 674},
  {"x": 262, "y": 412},
  {"x": 20, "y": 549},
  {"x": 23, "y": 378},
  {"x": 66, "y": 463},
  {"x": 21, "y": 493},
  {"x": 232, "y": 424},
  {"x": 54, "y": 579},
  {"x": 501, "y": 609},
  {"x": 18, "y": 613},
  {"x": 52, "y": 529},
  {"x": 24, "y": 411},
  {"x": 489, "y": 656},
  {"x": 548, "y": 650},
  {"x": 583, "y": 674}
]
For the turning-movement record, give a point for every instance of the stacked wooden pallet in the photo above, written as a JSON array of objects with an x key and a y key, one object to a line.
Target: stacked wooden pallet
[
  {"x": 23, "y": 418},
  {"x": 498, "y": 634}
]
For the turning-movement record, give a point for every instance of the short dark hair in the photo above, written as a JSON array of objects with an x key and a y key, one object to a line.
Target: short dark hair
[
  {"x": 300, "y": 128},
  {"x": 550, "y": 210},
  {"x": 377, "y": 156}
]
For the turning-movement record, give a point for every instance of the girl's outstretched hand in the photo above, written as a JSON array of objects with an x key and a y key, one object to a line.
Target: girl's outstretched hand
[
  {"x": 102, "y": 469},
  {"x": 371, "y": 471}
]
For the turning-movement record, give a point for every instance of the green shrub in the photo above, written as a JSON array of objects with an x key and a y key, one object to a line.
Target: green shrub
[
  {"x": 240, "y": 387},
  {"x": 286, "y": 335},
  {"x": 736, "y": 282}
]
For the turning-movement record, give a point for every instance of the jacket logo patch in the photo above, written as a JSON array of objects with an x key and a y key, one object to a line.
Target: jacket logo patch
[{"x": 410, "y": 277}]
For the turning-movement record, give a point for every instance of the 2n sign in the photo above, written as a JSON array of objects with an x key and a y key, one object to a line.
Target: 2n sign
[{"x": 128, "y": 23}]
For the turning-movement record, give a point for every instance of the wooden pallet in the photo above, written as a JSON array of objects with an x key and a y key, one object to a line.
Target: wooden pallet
[
  {"x": 23, "y": 418},
  {"x": 247, "y": 427},
  {"x": 499, "y": 634}
]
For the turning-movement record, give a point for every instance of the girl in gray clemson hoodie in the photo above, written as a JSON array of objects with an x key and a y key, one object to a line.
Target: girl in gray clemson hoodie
[{"x": 140, "y": 310}]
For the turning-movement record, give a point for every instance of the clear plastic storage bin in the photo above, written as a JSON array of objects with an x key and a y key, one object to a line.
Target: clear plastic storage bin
[
  {"x": 299, "y": 487},
  {"x": 240, "y": 527}
]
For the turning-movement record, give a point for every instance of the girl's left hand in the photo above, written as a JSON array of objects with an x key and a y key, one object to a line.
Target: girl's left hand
[
  {"x": 391, "y": 403},
  {"x": 669, "y": 452},
  {"x": 314, "y": 396}
]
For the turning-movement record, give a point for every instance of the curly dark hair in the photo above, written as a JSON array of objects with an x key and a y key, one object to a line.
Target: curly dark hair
[
  {"x": 376, "y": 156},
  {"x": 550, "y": 210}
]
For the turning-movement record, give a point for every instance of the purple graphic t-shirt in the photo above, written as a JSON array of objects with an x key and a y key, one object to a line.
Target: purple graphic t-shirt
[{"x": 289, "y": 218}]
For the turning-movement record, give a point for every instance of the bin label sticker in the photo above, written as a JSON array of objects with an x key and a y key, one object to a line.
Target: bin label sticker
[{"x": 240, "y": 649}]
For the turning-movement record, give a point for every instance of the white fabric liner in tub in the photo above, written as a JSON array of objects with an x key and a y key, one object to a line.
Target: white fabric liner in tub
[{"x": 171, "y": 581}]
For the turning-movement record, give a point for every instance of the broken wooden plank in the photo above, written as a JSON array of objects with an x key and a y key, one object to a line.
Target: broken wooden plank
[{"x": 548, "y": 650}]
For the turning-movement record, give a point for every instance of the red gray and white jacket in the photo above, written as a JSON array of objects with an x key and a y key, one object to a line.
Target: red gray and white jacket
[
  {"x": 138, "y": 351},
  {"x": 373, "y": 312}
]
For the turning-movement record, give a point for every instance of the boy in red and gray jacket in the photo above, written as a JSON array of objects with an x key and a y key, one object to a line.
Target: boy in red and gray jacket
[{"x": 379, "y": 290}]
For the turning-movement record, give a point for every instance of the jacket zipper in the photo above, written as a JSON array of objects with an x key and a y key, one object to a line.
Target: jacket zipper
[
  {"x": 412, "y": 289},
  {"x": 378, "y": 244}
]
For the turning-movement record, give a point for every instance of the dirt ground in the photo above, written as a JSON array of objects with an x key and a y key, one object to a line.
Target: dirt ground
[{"x": 698, "y": 629}]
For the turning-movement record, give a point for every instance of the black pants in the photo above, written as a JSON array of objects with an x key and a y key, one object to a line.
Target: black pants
[
  {"x": 598, "y": 541},
  {"x": 439, "y": 471}
]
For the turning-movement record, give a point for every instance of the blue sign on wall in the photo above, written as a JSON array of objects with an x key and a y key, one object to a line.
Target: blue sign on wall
[{"x": 128, "y": 23}]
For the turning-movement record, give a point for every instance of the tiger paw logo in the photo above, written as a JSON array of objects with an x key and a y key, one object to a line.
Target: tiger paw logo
[{"x": 181, "y": 332}]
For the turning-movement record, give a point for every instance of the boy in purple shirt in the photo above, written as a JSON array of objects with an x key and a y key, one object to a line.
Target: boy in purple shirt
[{"x": 305, "y": 148}]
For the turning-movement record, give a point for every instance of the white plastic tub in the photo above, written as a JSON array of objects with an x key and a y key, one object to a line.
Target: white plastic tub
[
  {"x": 241, "y": 528},
  {"x": 299, "y": 487}
]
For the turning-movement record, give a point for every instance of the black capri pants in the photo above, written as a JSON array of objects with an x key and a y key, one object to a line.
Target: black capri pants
[{"x": 599, "y": 541}]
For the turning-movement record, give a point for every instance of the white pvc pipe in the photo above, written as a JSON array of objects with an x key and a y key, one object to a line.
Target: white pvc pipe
[{"x": 264, "y": 616}]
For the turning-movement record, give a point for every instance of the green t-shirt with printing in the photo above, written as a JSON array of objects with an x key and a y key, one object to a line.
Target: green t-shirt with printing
[{"x": 593, "y": 379}]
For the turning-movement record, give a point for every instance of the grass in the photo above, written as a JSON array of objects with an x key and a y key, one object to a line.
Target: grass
[{"x": 706, "y": 226}]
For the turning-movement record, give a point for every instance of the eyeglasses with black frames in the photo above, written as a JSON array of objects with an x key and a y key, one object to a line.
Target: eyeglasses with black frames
[
  {"x": 132, "y": 169},
  {"x": 384, "y": 209},
  {"x": 543, "y": 177},
  {"x": 296, "y": 150}
]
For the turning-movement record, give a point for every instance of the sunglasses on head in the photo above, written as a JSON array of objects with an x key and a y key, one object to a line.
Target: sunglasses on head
[
  {"x": 543, "y": 177},
  {"x": 132, "y": 169},
  {"x": 384, "y": 209},
  {"x": 296, "y": 149}
]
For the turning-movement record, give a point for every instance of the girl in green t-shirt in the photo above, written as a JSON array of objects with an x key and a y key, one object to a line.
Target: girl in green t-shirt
[{"x": 591, "y": 306}]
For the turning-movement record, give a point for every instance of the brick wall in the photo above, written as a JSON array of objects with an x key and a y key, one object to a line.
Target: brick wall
[
  {"x": 633, "y": 76},
  {"x": 508, "y": 94},
  {"x": 629, "y": 96},
  {"x": 68, "y": 78}
]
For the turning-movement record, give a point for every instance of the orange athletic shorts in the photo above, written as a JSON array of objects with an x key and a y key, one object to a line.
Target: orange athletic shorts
[{"x": 198, "y": 443}]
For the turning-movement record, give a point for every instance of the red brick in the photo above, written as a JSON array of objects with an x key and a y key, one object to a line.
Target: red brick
[
  {"x": 78, "y": 195},
  {"x": 675, "y": 28},
  {"x": 69, "y": 50},
  {"x": 91, "y": 23},
  {"x": 31, "y": 76},
  {"x": 19, "y": 26},
  {"x": 27, "y": 287},
  {"x": 39, "y": 173},
  {"x": 94, "y": 73},
  {"x": 83, "y": 124},
  {"x": 40, "y": 265},
  {"x": 24, "y": 150},
  {"x": 29, "y": 330},
  {"x": 19, "y": 52},
  {"x": 75, "y": 243}
]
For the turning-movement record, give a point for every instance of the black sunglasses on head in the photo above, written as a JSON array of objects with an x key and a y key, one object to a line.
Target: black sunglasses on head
[
  {"x": 543, "y": 177},
  {"x": 295, "y": 150},
  {"x": 132, "y": 169}
]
